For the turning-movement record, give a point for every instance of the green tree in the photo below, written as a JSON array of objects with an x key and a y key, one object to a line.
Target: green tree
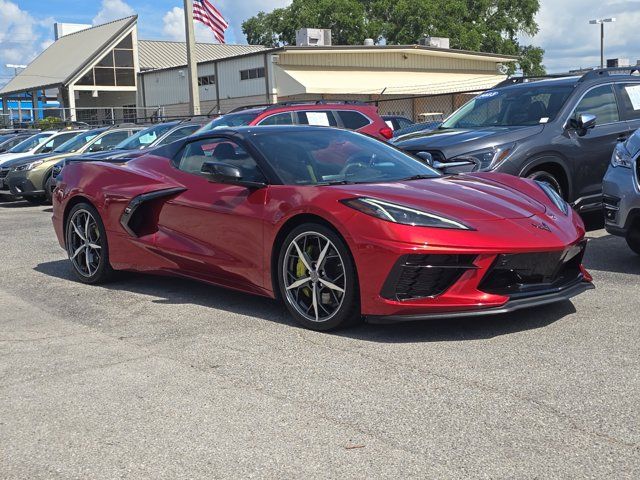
[{"x": 478, "y": 25}]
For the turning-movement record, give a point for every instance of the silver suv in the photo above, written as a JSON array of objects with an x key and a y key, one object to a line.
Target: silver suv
[{"x": 621, "y": 192}]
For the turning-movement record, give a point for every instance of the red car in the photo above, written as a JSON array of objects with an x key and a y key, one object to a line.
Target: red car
[
  {"x": 358, "y": 116},
  {"x": 337, "y": 224}
]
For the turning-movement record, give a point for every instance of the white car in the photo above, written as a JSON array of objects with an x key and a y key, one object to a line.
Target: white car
[{"x": 43, "y": 142}]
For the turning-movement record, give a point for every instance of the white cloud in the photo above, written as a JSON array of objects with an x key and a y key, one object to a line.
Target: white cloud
[
  {"x": 112, "y": 10},
  {"x": 570, "y": 42},
  {"x": 173, "y": 27}
]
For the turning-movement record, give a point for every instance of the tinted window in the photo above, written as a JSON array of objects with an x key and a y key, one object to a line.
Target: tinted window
[
  {"x": 600, "y": 102},
  {"x": 278, "y": 119},
  {"x": 77, "y": 142},
  {"x": 177, "y": 134},
  {"x": 56, "y": 141},
  {"x": 629, "y": 96},
  {"x": 353, "y": 120},
  {"x": 517, "y": 106},
  {"x": 404, "y": 122},
  {"x": 317, "y": 156},
  {"x": 322, "y": 118},
  {"x": 109, "y": 140},
  {"x": 30, "y": 143},
  {"x": 220, "y": 150}
]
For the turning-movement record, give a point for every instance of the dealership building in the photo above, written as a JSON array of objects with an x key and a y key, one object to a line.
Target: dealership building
[{"x": 105, "y": 72}]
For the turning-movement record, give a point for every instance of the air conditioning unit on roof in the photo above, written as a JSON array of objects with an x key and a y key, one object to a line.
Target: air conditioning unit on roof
[{"x": 312, "y": 37}]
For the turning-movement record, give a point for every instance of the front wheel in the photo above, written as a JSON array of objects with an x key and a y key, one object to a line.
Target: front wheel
[
  {"x": 549, "y": 179},
  {"x": 86, "y": 243},
  {"x": 633, "y": 238},
  {"x": 317, "y": 278}
]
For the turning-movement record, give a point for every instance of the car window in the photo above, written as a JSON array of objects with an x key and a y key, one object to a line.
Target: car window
[
  {"x": 222, "y": 150},
  {"x": 600, "y": 102},
  {"x": 320, "y": 156},
  {"x": 77, "y": 142},
  {"x": 144, "y": 138},
  {"x": 323, "y": 118},
  {"x": 230, "y": 120},
  {"x": 353, "y": 120},
  {"x": 30, "y": 143},
  {"x": 109, "y": 140},
  {"x": 629, "y": 96},
  {"x": 284, "y": 118},
  {"x": 177, "y": 134},
  {"x": 55, "y": 142},
  {"x": 404, "y": 122}
]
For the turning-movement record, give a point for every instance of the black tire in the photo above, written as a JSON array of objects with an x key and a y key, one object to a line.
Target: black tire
[
  {"x": 35, "y": 200},
  {"x": 48, "y": 184},
  {"x": 549, "y": 178},
  {"x": 89, "y": 264},
  {"x": 633, "y": 238},
  {"x": 339, "y": 309}
]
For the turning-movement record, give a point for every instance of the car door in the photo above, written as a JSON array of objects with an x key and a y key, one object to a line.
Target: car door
[
  {"x": 628, "y": 94},
  {"x": 214, "y": 230},
  {"x": 591, "y": 152}
]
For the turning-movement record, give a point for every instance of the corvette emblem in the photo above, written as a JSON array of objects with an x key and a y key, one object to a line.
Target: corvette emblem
[{"x": 541, "y": 226}]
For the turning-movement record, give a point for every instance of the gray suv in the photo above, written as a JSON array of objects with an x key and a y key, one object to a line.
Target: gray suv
[
  {"x": 559, "y": 130},
  {"x": 621, "y": 192}
]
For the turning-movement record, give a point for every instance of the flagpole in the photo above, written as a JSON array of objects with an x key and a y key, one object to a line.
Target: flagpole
[{"x": 192, "y": 65}]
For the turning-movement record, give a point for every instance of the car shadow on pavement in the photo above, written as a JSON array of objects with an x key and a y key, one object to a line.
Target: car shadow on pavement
[
  {"x": 610, "y": 253},
  {"x": 176, "y": 291},
  {"x": 15, "y": 204}
]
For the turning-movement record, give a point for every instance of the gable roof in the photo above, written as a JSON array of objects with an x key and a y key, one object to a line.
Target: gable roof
[
  {"x": 156, "y": 54},
  {"x": 64, "y": 58}
]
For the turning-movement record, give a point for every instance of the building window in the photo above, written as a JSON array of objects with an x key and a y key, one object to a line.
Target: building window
[
  {"x": 206, "y": 80},
  {"x": 252, "y": 73},
  {"x": 114, "y": 69}
]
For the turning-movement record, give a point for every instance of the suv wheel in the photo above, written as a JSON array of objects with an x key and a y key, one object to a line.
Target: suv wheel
[
  {"x": 548, "y": 178},
  {"x": 49, "y": 185},
  {"x": 633, "y": 238}
]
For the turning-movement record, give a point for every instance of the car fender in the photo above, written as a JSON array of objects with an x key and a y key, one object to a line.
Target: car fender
[{"x": 548, "y": 157}]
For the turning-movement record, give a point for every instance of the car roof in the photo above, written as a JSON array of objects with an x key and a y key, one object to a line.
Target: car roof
[{"x": 248, "y": 130}]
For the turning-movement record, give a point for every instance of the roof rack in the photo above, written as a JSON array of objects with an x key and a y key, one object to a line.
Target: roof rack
[
  {"x": 610, "y": 72},
  {"x": 247, "y": 107},
  {"x": 534, "y": 78},
  {"x": 316, "y": 102}
]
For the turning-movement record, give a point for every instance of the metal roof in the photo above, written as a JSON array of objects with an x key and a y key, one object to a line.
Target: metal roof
[
  {"x": 157, "y": 54},
  {"x": 64, "y": 58}
]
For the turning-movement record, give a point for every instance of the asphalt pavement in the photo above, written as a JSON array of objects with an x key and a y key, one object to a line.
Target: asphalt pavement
[{"x": 153, "y": 377}]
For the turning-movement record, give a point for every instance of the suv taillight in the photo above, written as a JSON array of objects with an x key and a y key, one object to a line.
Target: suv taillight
[{"x": 386, "y": 132}]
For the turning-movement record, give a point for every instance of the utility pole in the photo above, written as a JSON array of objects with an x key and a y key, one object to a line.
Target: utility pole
[
  {"x": 192, "y": 65},
  {"x": 601, "y": 22}
]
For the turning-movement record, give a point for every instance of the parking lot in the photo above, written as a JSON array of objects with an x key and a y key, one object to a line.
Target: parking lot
[{"x": 164, "y": 378}]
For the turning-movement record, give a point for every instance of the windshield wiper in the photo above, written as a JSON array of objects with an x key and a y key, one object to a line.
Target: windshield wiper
[{"x": 422, "y": 176}]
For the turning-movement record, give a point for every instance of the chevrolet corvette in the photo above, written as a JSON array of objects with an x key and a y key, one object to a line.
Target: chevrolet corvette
[{"x": 337, "y": 225}]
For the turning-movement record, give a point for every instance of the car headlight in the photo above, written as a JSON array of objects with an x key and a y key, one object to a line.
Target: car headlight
[
  {"x": 28, "y": 166},
  {"x": 392, "y": 212},
  {"x": 488, "y": 158},
  {"x": 621, "y": 157},
  {"x": 555, "y": 197}
]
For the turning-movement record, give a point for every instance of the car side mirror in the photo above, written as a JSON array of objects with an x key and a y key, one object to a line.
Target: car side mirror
[
  {"x": 584, "y": 122},
  {"x": 221, "y": 172},
  {"x": 46, "y": 150},
  {"x": 96, "y": 148},
  {"x": 426, "y": 157}
]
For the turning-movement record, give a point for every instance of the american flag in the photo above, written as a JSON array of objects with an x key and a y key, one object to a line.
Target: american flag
[{"x": 205, "y": 12}]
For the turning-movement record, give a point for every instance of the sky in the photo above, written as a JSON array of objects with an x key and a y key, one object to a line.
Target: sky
[{"x": 26, "y": 26}]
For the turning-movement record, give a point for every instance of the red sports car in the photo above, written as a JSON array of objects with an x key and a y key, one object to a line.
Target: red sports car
[{"x": 338, "y": 225}]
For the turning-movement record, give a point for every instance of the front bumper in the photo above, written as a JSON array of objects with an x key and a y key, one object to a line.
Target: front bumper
[
  {"x": 19, "y": 184},
  {"x": 563, "y": 294},
  {"x": 621, "y": 194}
]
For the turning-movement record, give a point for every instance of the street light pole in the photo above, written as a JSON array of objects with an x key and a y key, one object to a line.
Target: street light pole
[{"x": 601, "y": 22}]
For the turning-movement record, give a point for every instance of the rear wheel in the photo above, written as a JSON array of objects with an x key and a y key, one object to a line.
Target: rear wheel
[
  {"x": 633, "y": 238},
  {"x": 548, "y": 178},
  {"x": 317, "y": 278},
  {"x": 49, "y": 185},
  {"x": 86, "y": 243}
]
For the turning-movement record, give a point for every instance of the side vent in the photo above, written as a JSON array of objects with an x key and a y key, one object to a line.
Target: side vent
[{"x": 140, "y": 217}]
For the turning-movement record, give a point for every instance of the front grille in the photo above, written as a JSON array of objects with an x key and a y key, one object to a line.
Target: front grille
[
  {"x": 525, "y": 274},
  {"x": 420, "y": 276}
]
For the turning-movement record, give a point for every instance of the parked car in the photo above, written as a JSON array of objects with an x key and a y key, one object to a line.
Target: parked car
[
  {"x": 43, "y": 142},
  {"x": 337, "y": 224},
  {"x": 28, "y": 176},
  {"x": 358, "y": 116},
  {"x": 134, "y": 146},
  {"x": 621, "y": 192},
  {"x": 397, "y": 122},
  {"x": 560, "y": 131},
  {"x": 10, "y": 140}
]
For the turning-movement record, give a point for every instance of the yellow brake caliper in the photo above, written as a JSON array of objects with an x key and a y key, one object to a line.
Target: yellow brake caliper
[{"x": 301, "y": 271}]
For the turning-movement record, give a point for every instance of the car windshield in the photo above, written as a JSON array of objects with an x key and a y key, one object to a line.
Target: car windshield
[
  {"x": 30, "y": 143},
  {"x": 511, "y": 107},
  {"x": 329, "y": 156},
  {"x": 144, "y": 138},
  {"x": 77, "y": 142},
  {"x": 230, "y": 120}
]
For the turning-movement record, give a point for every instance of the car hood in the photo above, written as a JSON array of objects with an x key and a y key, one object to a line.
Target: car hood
[
  {"x": 463, "y": 197},
  {"x": 9, "y": 157},
  {"x": 47, "y": 157},
  {"x": 464, "y": 139}
]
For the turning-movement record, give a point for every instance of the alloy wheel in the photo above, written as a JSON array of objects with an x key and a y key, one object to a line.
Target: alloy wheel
[
  {"x": 84, "y": 244},
  {"x": 314, "y": 276}
]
